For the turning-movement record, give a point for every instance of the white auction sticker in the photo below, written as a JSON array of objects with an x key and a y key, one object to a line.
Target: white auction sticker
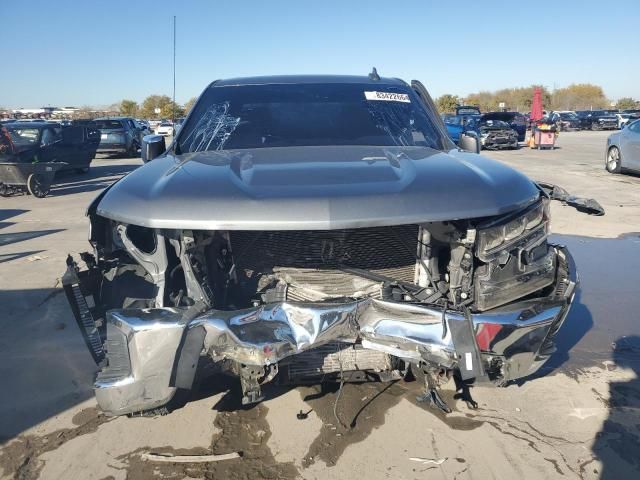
[
  {"x": 387, "y": 96},
  {"x": 468, "y": 360}
]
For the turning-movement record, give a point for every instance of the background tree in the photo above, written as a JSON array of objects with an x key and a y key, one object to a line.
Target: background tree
[
  {"x": 515, "y": 99},
  {"x": 579, "y": 96},
  {"x": 447, "y": 103},
  {"x": 85, "y": 113},
  {"x": 128, "y": 108},
  {"x": 189, "y": 105},
  {"x": 167, "y": 110},
  {"x": 484, "y": 100},
  {"x": 151, "y": 103},
  {"x": 627, "y": 102},
  {"x": 113, "y": 109}
]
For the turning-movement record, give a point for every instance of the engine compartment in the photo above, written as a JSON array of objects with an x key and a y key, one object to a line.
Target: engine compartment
[{"x": 229, "y": 270}]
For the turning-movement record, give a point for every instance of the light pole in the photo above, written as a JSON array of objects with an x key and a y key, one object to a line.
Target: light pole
[{"x": 173, "y": 113}]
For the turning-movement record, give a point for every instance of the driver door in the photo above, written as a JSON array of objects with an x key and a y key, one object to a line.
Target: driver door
[{"x": 50, "y": 143}]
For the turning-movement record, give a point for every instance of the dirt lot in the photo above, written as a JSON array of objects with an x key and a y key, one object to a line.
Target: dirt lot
[{"x": 580, "y": 418}]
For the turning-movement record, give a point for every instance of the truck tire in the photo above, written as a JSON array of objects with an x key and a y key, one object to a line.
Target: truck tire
[{"x": 37, "y": 186}]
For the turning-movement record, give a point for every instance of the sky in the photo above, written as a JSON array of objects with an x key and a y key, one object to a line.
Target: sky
[{"x": 75, "y": 53}]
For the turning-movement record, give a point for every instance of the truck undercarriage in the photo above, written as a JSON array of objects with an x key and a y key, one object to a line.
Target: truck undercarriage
[{"x": 483, "y": 298}]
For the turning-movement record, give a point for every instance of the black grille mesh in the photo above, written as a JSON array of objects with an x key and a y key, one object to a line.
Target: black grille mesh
[{"x": 388, "y": 251}]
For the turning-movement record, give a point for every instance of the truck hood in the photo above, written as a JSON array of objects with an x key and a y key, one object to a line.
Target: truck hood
[{"x": 309, "y": 188}]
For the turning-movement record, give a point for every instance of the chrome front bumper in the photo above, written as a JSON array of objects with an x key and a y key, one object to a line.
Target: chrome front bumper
[{"x": 153, "y": 352}]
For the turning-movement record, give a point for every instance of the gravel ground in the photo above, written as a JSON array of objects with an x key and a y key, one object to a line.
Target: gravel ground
[{"x": 578, "y": 419}]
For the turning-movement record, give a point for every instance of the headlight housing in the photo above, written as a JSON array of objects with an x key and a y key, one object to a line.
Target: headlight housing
[
  {"x": 533, "y": 222},
  {"x": 517, "y": 259}
]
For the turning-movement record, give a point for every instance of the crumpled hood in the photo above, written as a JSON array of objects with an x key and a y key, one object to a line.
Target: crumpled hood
[{"x": 298, "y": 188}]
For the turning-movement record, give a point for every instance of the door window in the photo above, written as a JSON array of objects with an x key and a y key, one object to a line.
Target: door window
[
  {"x": 73, "y": 135},
  {"x": 49, "y": 136}
]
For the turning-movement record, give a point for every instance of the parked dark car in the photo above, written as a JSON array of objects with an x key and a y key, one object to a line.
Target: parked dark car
[
  {"x": 516, "y": 120},
  {"x": 597, "y": 120},
  {"x": 119, "y": 135},
  {"x": 50, "y": 142},
  {"x": 566, "y": 121},
  {"x": 605, "y": 120},
  {"x": 493, "y": 133},
  {"x": 312, "y": 229}
]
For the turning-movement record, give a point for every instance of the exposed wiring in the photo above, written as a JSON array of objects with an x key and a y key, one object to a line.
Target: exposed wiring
[
  {"x": 335, "y": 404},
  {"x": 444, "y": 319},
  {"x": 422, "y": 263}
]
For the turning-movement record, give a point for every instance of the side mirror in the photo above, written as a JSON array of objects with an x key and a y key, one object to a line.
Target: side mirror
[
  {"x": 469, "y": 142},
  {"x": 152, "y": 147}
]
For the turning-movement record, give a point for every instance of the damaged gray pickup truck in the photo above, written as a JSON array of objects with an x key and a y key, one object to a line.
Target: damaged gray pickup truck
[{"x": 307, "y": 229}]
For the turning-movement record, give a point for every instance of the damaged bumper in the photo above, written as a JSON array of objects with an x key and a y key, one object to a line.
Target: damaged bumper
[{"x": 150, "y": 353}]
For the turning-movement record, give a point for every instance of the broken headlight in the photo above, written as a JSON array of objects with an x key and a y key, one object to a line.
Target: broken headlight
[
  {"x": 518, "y": 260},
  {"x": 496, "y": 238}
]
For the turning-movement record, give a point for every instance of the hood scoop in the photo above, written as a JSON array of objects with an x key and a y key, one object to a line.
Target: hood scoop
[{"x": 389, "y": 172}]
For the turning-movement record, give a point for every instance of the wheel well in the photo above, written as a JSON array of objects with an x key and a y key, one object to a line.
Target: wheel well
[{"x": 614, "y": 146}]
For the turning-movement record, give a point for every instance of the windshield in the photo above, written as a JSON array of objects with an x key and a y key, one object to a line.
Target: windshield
[
  {"x": 568, "y": 116},
  {"x": 108, "y": 124},
  {"x": 468, "y": 111},
  {"x": 286, "y": 115},
  {"x": 452, "y": 119},
  {"x": 23, "y": 136}
]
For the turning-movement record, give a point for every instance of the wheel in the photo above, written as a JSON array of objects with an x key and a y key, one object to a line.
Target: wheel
[
  {"x": 133, "y": 151},
  {"x": 37, "y": 187},
  {"x": 4, "y": 190},
  {"x": 614, "y": 162}
]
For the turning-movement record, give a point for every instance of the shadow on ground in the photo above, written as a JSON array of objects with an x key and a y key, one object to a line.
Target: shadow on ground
[
  {"x": 44, "y": 365},
  {"x": 98, "y": 177},
  {"x": 617, "y": 445},
  {"x": 10, "y": 238}
]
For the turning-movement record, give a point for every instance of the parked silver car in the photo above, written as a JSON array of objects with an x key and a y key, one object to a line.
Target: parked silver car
[{"x": 623, "y": 149}]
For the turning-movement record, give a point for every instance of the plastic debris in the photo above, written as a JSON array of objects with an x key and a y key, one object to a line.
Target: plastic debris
[
  {"x": 168, "y": 458},
  {"x": 426, "y": 461}
]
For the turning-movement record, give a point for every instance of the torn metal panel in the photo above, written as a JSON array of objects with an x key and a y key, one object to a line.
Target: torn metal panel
[
  {"x": 154, "y": 262},
  {"x": 585, "y": 205}
]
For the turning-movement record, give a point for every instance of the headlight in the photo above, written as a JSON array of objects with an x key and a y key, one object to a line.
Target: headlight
[{"x": 496, "y": 238}]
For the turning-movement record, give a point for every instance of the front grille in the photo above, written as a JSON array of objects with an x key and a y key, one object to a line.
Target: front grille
[
  {"x": 334, "y": 357},
  {"x": 387, "y": 251}
]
